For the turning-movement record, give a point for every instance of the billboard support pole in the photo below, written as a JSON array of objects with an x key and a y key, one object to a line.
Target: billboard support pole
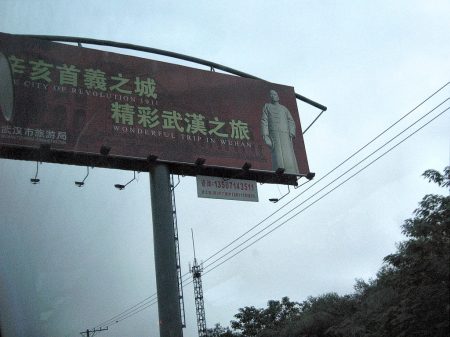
[{"x": 170, "y": 324}]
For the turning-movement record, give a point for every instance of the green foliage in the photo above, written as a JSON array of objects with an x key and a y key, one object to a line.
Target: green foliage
[
  {"x": 422, "y": 267},
  {"x": 252, "y": 321},
  {"x": 220, "y": 331},
  {"x": 409, "y": 296}
]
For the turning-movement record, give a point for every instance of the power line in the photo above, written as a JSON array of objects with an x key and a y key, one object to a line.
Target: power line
[
  {"x": 93, "y": 331},
  {"x": 118, "y": 316},
  {"x": 144, "y": 304},
  {"x": 361, "y": 161},
  {"x": 331, "y": 171},
  {"x": 137, "y": 310},
  {"x": 323, "y": 196}
]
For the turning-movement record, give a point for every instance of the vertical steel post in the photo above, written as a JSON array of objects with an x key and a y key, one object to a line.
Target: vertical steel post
[{"x": 170, "y": 324}]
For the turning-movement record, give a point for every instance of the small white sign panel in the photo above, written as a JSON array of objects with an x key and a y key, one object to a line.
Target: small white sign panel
[{"x": 229, "y": 189}]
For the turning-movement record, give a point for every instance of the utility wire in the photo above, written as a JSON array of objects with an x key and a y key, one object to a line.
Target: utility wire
[
  {"x": 329, "y": 172},
  {"x": 323, "y": 196},
  {"x": 290, "y": 211},
  {"x": 137, "y": 310},
  {"x": 297, "y": 206},
  {"x": 144, "y": 304},
  {"x": 149, "y": 302},
  {"x": 118, "y": 316}
]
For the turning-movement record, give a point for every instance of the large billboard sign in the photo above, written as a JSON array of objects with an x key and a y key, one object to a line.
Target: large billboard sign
[{"x": 74, "y": 101}]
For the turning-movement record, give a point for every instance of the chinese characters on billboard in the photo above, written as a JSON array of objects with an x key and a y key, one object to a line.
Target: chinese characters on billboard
[
  {"x": 78, "y": 99},
  {"x": 228, "y": 189}
]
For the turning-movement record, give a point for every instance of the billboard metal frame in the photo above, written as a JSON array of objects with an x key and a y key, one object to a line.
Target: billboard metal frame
[
  {"x": 45, "y": 153},
  {"x": 122, "y": 45},
  {"x": 161, "y": 188}
]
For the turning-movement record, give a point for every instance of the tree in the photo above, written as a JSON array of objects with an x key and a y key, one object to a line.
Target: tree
[
  {"x": 220, "y": 331},
  {"x": 422, "y": 267},
  {"x": 409, "y": 296},
  {"x": 320, "y": 314},
  {"x": 253, "y": 321}
]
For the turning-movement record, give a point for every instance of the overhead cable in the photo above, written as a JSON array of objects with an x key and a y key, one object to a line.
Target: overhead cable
[{"x": 151, "y": 300}]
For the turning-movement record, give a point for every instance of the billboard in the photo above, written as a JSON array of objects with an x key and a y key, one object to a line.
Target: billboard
[{"x": 74, "y": 101}]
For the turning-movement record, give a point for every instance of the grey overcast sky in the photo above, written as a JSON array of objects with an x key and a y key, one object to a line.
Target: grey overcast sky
[{"x": 72, "y": 258}]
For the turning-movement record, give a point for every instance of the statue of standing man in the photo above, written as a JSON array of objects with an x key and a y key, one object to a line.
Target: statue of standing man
[{"x": 278, "y": 131}]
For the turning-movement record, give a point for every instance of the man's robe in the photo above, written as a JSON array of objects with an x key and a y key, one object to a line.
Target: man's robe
[{"x": 278, "y": 130}]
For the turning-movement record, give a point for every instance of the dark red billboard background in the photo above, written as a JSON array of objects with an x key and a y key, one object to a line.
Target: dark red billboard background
[{"x": 77, "y": 99}]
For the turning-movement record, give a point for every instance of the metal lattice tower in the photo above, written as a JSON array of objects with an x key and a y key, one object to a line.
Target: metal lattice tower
[
  {"x": 177, "y": 248},
  {"x": 196, "y": 271}
]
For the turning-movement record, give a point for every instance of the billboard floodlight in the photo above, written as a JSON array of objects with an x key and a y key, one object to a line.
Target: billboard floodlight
[
  {"x": 200, "y": 161},
  {"x": 81, "y": 183},
  {"x": 279, "y": 171},
  {"x": 152, "y": 158},
  {"x": 35, "y": 180},
  {"x": 104, "y": 150},
  {"x": 246, "y": 166},
  {"x": 310, "y": 175},
  {"x": 121, "y": 187},
  {"x": 275, "y": 200}
]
